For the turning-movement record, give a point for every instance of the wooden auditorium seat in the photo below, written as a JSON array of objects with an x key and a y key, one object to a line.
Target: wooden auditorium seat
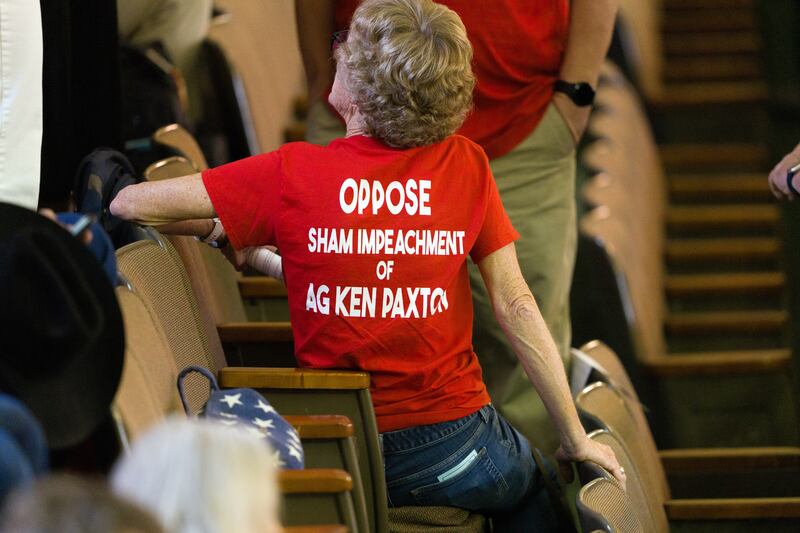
[
  {"x": 147, "y": 391},
  {"x": 153, "y": 272},
  {"x": 627, "y": 231},
  {"x": 691, "y": 472},
  {"x": 609, "y": 415},
  {"x": 603, "y": 505}
]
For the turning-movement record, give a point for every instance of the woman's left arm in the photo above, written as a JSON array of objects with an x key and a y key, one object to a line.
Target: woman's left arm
[
  {"x": 164, "y": 202},
  {"x": 519, "y": 316}
]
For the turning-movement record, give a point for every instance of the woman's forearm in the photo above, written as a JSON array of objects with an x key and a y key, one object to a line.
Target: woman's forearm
[
  {"x": 520, "y": 319},
  {"x": 163, "y": 202}
]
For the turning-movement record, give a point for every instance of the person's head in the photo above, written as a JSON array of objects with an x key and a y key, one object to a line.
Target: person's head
[
  {"x": 406, "y": 67},
  {"x": 67, "y": 504},
  {"x": 197, "y": 475}
]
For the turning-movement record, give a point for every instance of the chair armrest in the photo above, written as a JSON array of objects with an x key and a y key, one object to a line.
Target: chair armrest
[
  {"x": 717, "y": 364},
  {"x": 699, "y": 460},
  {"x": 261, "y": 287},
  {"x": 314, "y": 481},
  {"x": 255, "y": 332},
  {"x": 291, "y": 378},
  {"x": 733, "y": 508},
  {"x": 321, "y": 426}
]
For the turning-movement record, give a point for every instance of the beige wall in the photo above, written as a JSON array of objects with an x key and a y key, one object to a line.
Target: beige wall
[{"x": 261, "y": 41}]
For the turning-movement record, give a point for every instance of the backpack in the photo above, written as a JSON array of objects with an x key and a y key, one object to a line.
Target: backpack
[{"x": 101, "y": 175}]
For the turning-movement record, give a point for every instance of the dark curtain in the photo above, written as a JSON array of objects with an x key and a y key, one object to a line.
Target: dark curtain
[{"x": 81, "y": 89}]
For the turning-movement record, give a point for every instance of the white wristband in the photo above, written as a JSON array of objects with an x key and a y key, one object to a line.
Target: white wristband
[
  {"x": 213, "y": 239},
  {"x": 265, "y": 260}
]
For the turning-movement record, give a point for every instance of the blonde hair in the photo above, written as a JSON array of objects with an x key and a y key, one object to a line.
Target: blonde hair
[
  {"x": 201, "y": 477},
  {"x": 408, "y": 70}
]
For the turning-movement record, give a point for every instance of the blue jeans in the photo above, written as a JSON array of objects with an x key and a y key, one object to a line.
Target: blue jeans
[{"x": 478, "y": 462}]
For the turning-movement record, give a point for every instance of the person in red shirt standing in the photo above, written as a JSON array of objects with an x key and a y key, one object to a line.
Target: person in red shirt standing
[
  {"x": 374, "y": 231},
  {"x": 537, "y": 63}
]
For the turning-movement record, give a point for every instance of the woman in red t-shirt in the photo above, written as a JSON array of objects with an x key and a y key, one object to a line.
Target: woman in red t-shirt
[{"x": 374, "y": 231}]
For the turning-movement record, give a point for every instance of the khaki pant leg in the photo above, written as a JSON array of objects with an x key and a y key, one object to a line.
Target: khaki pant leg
[
  {"x": 322, "y": 126},
  {"x": 537, "y": 185}
]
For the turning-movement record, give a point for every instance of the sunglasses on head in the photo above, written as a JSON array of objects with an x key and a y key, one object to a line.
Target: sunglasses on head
[{"x": 338, "y": 37}]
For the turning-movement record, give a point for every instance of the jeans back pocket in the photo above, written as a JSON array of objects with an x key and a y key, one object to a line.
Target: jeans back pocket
[{"x": 477, "y": 486}]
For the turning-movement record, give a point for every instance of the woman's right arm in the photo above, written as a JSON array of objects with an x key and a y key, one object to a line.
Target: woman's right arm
[
  {"x": 519, "y": 316},
  {"x": 162, "y": 202}
]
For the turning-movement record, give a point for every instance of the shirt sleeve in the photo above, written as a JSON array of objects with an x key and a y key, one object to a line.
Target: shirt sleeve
[
  {"x": 246, "y": 196},
  {"x": 496, "y": 230}
]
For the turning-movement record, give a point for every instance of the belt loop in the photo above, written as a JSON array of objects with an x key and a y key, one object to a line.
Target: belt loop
[
  {"x": 380, "y": 442},
  {"x": 484, "y": 412}
]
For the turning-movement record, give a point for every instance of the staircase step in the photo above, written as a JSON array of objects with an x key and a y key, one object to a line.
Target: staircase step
[
  {"x": 725, "y": 362},
  {"x": 733, "y": 19},
  {"x": 719, "y": 323},
  {"x": 702, "y": 285},
  {"x": 707, "y": 4},
  {"x": 724, "y": 67},
  {"x": 702, "y": 156},
  {"x": 722, "y": 250},
  {"x": 685, "y": 94},
  {"x": 740, "y": 216},
  {"x": 730, "y": 42},
  {"x": 684, "y": 187}
]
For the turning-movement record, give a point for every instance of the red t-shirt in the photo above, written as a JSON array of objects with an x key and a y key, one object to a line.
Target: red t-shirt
[
  {"x": 374, "y": 243},
  {"x": 518, "y": 48}
]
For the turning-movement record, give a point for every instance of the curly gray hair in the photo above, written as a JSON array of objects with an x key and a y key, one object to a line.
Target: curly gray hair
[{"x": 408, "y": 70}]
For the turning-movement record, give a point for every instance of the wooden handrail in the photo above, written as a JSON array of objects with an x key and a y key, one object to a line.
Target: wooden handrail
[
  {"x": 321, "y": 426},
  {"x": 292, "y": 378},
  {"x": 733, "y": 508},
  {"x": 719, "y": 363},
  {"x": 694, "y": 460},
  {"x": 314, "y": 481},
  {"x": 261, "y": 287},
  {"x": 255, "y": 332}
]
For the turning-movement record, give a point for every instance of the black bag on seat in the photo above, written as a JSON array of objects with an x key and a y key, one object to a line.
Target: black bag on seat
[{"x": 101, "y": 175}]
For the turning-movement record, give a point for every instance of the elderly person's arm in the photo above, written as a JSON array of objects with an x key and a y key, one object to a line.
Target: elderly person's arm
[
  {"x": 519, "y": 316},
  {"x": 590, "y": 27},
  {"x": 314, "y": 29},
  {"x": 778, "y": 178},
  {"x": 164, "y": 202}
]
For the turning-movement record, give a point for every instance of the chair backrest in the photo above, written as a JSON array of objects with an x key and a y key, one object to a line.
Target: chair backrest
[
  {"x": 602, "y": 505},
  {"x": 155, "y": 272},
  {"x": 641, "y": 292},
  {"x": 214, "y": 280},
  {"x": 175, "y": 136},
  {"x": 147, "y": 391},
  {"x": 632, "y": 194},
  {"x": 609, "y": 369},
  {"x": 606, "y": 404},
  {"x": 650, "y": 513},
  {"x": 170, "y": 167}
]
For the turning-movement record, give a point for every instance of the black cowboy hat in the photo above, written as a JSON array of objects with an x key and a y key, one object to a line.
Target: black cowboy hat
[{"x": 61, "y": 335}]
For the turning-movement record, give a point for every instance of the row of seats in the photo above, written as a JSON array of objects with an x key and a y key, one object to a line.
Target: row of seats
[
  {"x": 619, "y": 296},
  {"x": 612, "y": 414}
]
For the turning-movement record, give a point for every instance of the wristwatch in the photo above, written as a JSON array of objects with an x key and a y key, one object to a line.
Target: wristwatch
[{"x": 581, "y": 92}]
